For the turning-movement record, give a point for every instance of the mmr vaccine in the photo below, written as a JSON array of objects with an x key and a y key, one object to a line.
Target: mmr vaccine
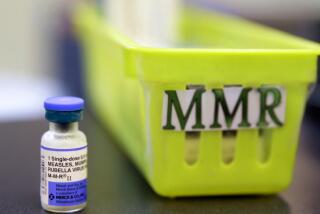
[{"x": 63, "y": 163}]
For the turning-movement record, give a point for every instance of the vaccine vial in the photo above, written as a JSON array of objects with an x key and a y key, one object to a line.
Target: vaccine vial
[{"x": 63, "y": 187}]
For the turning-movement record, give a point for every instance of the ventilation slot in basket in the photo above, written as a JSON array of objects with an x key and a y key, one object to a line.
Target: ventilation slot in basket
[
  {"x": 192, "y": 139},
  {"x": 264, "y": 146},
  {"x": 228, "y": 146},
  {"x": 192, "y": 147},
  {"x": 229, "y": 140}
]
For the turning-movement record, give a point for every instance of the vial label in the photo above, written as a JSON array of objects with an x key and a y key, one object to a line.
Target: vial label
[{"x": 63, "y": 176}]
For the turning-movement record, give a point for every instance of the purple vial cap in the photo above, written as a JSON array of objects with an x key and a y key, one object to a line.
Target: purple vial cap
[{"x": 64, "y": 104}]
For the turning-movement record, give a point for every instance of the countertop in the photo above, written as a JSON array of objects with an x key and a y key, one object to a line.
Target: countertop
[{"x": 115, "y": 186}]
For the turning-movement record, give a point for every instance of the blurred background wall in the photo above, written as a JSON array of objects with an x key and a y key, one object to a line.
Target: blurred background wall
[
  {"x": 271, "y": 9},
  {"x": 29, "y": 46},
  {"x": 300, "y": 17},
  {"x": 39, "y": 56}
]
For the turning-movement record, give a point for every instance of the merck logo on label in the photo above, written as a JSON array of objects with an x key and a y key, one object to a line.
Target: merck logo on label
[{"x": 229, "y": 108}]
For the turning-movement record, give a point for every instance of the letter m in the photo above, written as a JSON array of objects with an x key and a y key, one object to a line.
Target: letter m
[
  {"x": 173, "y": 102},
  {"x": 229, "y": 115}
]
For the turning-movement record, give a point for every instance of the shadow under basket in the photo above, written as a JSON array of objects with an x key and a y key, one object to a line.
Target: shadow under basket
[{"x": 126, "y": 83}]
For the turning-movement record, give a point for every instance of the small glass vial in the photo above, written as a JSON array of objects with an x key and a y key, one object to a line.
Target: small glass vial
[{"x": 63, "y": 164}]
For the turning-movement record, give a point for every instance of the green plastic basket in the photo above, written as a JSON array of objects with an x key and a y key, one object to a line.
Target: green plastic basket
[{"x": 126, "y": 83}]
